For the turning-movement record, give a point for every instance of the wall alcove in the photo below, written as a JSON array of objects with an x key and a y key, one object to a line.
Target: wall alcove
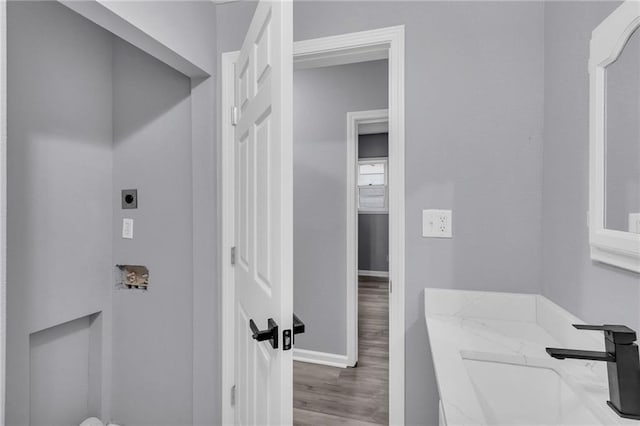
[{"x": 90, "y": 114}]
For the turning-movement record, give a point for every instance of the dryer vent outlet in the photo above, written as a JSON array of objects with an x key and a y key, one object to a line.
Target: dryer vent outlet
[{"x": 129, "y": 199}]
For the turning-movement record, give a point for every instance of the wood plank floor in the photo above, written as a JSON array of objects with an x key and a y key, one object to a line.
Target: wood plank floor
[{"x": 350, "y": 396}]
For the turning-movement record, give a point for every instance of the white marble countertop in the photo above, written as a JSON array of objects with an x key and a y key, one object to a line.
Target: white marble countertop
[{"x": 513, "y": 329}]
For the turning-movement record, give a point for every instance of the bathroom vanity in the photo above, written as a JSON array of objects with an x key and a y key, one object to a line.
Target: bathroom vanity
[{"x": 492, "y": 368}]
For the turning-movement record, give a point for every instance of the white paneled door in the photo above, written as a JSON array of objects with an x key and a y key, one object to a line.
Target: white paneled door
[{"x": 264, "y": 218}]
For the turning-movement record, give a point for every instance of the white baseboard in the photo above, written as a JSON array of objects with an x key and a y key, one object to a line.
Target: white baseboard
[
  {"x": 323, "y": 358},
  {"x": 378, "y": 274}
]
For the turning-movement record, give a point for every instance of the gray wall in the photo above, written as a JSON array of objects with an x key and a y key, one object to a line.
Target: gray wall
[
  {"x": 373, "y": 229},
  {"x": 189, "y": 28},
  {"x": 373, "y": 242},
  {"x": 185, "y": 26},
  {"x": 322, "y": 97},
  {"x": 59, "y": 185},
  {"x": 89, "y": 115},
  {"x": 373, "y": 146},
  {"x": 153, "y": 330},
  {"x": 474, "y": 118},
  {"x": 595, "y": 292}
]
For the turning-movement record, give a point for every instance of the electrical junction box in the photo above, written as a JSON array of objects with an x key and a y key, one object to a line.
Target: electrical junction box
[{"x": 130, "y": 277}]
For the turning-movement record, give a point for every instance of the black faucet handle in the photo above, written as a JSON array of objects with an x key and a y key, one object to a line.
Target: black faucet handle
[{"x": 619, "y": 334}]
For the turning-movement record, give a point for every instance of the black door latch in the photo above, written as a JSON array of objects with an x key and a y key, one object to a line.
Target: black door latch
[{"x": 270, "y": 334}]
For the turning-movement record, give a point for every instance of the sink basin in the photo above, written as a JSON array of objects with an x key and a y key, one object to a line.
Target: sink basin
[{"x": 519, "y": 394}]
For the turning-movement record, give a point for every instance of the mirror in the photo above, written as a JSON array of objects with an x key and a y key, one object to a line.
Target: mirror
[
  {"x": 614, "y": 139},
  {"x": 622, "y": 139}
]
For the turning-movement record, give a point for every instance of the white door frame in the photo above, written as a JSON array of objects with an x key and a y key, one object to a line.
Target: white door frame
[
  {"x": 354, "y": 120},
  {"x": 334, "y": 50}
]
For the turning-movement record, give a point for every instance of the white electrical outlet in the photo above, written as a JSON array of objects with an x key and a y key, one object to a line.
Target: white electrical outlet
[
  {"x": 437, "y": 224},
  {"x": 634, "y": 223},
  {"x": 127, "y": 228}
]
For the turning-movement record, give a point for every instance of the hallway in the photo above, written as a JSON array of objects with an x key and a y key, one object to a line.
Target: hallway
[{"x": 350, "y": 396}]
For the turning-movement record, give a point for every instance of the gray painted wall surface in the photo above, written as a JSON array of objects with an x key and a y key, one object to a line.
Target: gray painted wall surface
[
  {"x": 185, "y": 26},
  {"x": 373, "y": 229},
  {"x": 373, "y": 242},
  {"x": 189, "y": 28},
  {"x": 153, "y": 330},
  {"x": 373, "y": 145},
  {"x": 322, "y": 97},
  {"x": 70, "y": 95},
  {"x": 59, "y": 183},
  {"x": 474, "y": 119},
  {"x": 206, "y": 290},
  {"x": 595, "y": 292},
  {"x": 473, "y": 144}
]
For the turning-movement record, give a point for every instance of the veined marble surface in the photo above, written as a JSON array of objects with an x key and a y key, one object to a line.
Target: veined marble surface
[{"x": 511, "y": 330}]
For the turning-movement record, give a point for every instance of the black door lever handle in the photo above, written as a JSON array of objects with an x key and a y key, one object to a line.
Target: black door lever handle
[
  {"x": 298, "y": 327},
  {"x": 270, "y": 334}
]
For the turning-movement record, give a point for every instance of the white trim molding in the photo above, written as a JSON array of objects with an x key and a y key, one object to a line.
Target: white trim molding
[
  {"x": 374, "y": 274},
  {"x": 618, "y": 248},
  {"x": 395, "y": 38},
  {"x": 348, "y": 48},
  {"x": 322, "y": 358},
  {"x": 227, "y": 231}
]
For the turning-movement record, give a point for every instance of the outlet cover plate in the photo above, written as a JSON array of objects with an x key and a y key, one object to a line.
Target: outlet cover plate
[
  {"x": 437, "y": 224},
  {"x": 127, "y": 228}
]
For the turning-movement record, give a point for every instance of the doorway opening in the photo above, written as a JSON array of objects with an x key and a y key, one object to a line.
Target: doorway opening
[
  {"x": 340, "y": 181},
  {"x": 354, "y": 48}
]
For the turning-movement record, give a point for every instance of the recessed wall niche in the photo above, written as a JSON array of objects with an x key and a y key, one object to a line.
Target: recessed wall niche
[{"x": 68, "y": 358}]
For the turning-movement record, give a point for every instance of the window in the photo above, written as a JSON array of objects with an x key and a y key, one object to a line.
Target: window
[{"x": 372, "y": 185}]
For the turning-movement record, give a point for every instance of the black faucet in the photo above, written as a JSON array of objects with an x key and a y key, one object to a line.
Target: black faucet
[{"x": 623, "y": 366}]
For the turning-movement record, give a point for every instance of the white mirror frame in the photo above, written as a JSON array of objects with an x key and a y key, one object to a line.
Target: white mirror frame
[{"x": 618, "y": 248}]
